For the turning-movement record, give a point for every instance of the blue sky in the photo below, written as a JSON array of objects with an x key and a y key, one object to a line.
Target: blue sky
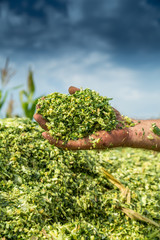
[{"x": 110, "y": 46}]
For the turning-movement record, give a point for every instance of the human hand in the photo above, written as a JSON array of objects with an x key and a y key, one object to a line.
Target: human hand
[{"x": 99, "y": 140}]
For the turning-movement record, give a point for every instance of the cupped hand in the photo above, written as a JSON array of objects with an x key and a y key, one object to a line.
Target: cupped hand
[{"x": 100, "y": 140}]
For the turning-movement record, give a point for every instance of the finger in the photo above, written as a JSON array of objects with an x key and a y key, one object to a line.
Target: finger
[
  {"x": 99, "y": 140},
  {"x": 80, "y": 144},
  {"x": 41, "y": 121},
  {"x": 72, "y": 90}
]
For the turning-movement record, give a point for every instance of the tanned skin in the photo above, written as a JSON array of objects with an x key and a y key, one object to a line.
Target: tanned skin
[{"x": 138, "y": 136}]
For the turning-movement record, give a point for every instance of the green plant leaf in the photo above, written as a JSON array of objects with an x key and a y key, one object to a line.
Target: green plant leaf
[
  {"x": 31, "y": 86},
  {"x": 25, "y": 108},
  {"x": 16, "y": 87},
  {"x": 21, "y": 94},
  {"x": 4, "y": 99},
  {"x": 156, "y": 129}
]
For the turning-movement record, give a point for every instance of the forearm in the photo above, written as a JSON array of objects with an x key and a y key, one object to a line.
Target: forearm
[{"x": 142, "y": 135}]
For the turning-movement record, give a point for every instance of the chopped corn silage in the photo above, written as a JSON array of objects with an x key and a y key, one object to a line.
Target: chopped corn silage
[{"x": 48, "y": 193}]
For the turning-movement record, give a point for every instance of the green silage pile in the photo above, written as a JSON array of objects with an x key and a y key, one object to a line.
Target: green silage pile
[
  {"x": 77, "y": 115},
  {"x": 48, "y": 193}
]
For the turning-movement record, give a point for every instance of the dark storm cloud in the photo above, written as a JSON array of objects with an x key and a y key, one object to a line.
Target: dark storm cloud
[
  {"x": 31, "y": 27},
  {"x": 122, "y": 28},
  {"x": 129, "y": 28}
]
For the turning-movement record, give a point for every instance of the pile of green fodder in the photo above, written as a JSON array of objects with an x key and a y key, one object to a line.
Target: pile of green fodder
[
  {"x": 47, "y": 193},
  {"x": 77, "y": 115}
]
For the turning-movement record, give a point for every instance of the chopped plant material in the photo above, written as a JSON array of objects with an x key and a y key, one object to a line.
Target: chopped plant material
[
  {"x": 128, "y": 122},
  {"x": 77, "y": 115},
  {"x": 48, "y": 193},
  {"x": 124, "y": 191},
  {"x": 155, "y": 129},
  {"x": 150, "y": 137},
  {"x": 136, "y": 216}
]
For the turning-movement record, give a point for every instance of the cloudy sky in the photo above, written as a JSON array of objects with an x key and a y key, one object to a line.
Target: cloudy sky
[{"x": 111, "y": 46}]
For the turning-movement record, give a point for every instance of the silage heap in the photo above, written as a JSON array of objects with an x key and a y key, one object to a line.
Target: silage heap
[
  {"x": 47, "y": 193},
  {"x": 70, "y": 117}
]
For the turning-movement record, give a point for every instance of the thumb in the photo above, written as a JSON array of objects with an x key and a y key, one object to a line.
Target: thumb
[{"x": 72, "y": 89}]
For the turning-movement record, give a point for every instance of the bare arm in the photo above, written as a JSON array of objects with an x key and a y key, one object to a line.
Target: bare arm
[
  {"x": 142, "y": 136},
  {"x": 139, "y": 136}
]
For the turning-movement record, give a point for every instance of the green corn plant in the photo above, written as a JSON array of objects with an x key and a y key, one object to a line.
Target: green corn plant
[
  {"x": 9, "y": 111},
  {"x": 3, "y": 97},
  {"x": 29, "y": 104},
  {"x": 6, "y": 74}
]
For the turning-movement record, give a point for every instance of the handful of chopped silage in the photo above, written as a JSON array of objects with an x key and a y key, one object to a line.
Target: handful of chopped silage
[
  {"x": 77, "y": 115},
  {"x": 48, "y": 193}
]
